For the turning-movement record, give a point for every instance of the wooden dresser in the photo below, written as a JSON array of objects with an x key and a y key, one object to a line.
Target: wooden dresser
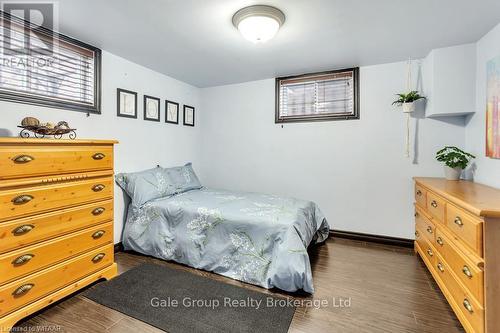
[
  {"x": 458, "y": 237},
  {"x": 56, "y": 221}
]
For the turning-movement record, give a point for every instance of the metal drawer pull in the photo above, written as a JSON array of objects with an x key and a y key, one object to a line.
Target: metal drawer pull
[
  {"x": 467, "y": 272},
  {"x": 417, "y": 234},
  {"x": 24, "y": 229},
  {"x": 440, "y": 267},
  {"x": 439, "y": 240},
  {"x": 22, "y": 290},
  {"x": 98, "y": 187},
  {"x": 468, "y": 306},
  {"x": 419, "y": 193},
  {"x": 22, "y": 199},
  {"x": 98, "y": 234},
  {"x": 434, "y": 204},
  {"x": 21, "y": 260},
  {"x": 98, "y": 211},
  {"x": 98, "y": 257},
  {"x": 458, "y": 221},
  {"x": 98, "y": 156},
  {"x": 429, "y": 229},
  {"x": 22, "y": 159},
  {"x": 429, "y": 251}
]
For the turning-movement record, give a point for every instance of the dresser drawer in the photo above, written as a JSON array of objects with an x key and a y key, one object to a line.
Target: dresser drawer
[
  {"x": 30, "y": 259},
  {"x": 467, "y": 270},
  {"x": 24, "y": 201},
  {"x": 436, "y": 206},
  {"x": 421, "y": 196},
  {"x": 425, "y": 225},
  {"x": 468, "y": 228},
  {"x": 24, "y": 291},
  {"x": 428, "y": 251},
  {"x": 38, "y": 159},
  {"x": 30, "y": 230},
  {"x": 471, "y": 312}
]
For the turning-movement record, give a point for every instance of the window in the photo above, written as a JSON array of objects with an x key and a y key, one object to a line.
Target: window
[
  {"x": 330, "y": 95},
  {"x": 41, "y": 67}
]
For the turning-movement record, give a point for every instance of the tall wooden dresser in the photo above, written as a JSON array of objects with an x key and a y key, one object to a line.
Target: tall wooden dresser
[
  {"x": 56, "y": 221},
  {"x": 458, "y": 237}
]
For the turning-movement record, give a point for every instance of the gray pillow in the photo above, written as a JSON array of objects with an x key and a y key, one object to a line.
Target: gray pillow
[
  {"x": 146, "y": 185},
  {"x": 183, "y": 178}
]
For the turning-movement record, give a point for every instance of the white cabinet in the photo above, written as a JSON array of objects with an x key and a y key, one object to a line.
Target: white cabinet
[{"x": 449, "y": 81}]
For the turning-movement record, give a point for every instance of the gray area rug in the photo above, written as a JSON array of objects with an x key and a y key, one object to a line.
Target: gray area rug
[{"x": 176, "y": 301}]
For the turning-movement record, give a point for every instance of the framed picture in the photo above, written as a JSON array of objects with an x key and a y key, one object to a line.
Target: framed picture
[
  {"x": 171, "y": 112},
  {"x": 126, "y": 103},
  {"x": 151, "y": 108},
  {"x": 188, "y": 115},
  {"x": 493, "y": 108}
]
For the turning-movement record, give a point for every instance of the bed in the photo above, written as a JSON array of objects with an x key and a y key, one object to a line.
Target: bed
[{"x": 256, "y": 238}]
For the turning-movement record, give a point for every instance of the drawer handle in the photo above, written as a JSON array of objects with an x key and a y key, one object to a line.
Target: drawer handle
[
  {"x": 416, "y": 214},
  {"x": 440, "y": 267},
  {"x": 429, "y": 229},
  {"x": 429, "y": 251},
  {"x": 22, "y": 199},
  {"x": 419, "y": 193},
  {"x": 21, "y": 260},
  {"x": 468, "y": 306},
  {"x": 434, "y": 204},
  {"x": 98, "y": 211},
  {"x": 98, "y": 258},
  {"x": 467, "y": 272},
  {"x": 439, "y": 240},
  {"x": 22, "y": 159},
  {"x": 458, "y": 221},
  {"x": 98, "y": 156},
  {"x": 417, "y": 234},
  {"x": 24, "y": 229},
  {"x": 98, "y": 234},
  {"x": 22, "y": 290},
  {"x": 98, "y": 187}
]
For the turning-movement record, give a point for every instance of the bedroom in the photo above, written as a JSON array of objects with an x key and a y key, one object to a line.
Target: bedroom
[{"x": 241, "y": 166}]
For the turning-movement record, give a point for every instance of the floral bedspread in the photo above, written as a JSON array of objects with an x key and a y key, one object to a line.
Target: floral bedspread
[{"x": 256, "y": 238}]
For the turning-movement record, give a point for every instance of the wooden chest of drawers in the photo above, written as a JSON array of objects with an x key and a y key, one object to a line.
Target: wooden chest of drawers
[
  {"x": 56, "y": 221},
  {"x": 457, "y": 234}
]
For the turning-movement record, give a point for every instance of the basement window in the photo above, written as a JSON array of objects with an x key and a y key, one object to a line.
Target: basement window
[
  {"x": 332, "y": 95},
  {"x": 41, "y": 67}
]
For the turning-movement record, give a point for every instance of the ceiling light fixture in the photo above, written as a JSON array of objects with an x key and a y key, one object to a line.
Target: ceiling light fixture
[{"x": 258, "y": 23}]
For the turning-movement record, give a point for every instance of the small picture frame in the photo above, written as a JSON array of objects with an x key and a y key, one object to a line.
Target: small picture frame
[
  {"x": 188, "y": 115},
  {"x": 151, "y": 108},
  {"x": 126, "y": 103},
  {"x": 171, "y": 112}
]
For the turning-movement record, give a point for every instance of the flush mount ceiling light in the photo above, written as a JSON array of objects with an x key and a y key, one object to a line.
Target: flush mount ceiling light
[{"x": 258, "y": 23}]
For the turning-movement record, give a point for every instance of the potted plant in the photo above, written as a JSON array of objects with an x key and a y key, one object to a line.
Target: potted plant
[
  {"x": 455, "y": 161},
  {"x": 408, "y": 100}
]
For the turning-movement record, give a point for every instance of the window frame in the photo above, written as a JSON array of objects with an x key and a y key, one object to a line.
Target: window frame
[
  {"x": 33, "y": 99},
  {"x": 329, "y": 117}
]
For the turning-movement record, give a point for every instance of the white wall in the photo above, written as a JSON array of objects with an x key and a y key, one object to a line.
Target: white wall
[
  {"x": 487, "y": 170},
  {"x": 355, "y": 170},
  {"x": 143, "y": 144}
]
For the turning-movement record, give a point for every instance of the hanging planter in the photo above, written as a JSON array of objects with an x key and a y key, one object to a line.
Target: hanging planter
[
  {"x": 407, "y": 101},
  {"x": 408, "y": 107}
]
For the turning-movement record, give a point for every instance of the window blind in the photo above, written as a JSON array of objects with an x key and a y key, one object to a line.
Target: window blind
[
  {"x": 39, "y": 66},
  {"x": 331, "y": 95}
]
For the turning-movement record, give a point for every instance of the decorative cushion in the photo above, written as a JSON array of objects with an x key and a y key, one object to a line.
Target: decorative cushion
[
  {"x": 147, "y": 185},
  {"x": 183, "y": 178}
]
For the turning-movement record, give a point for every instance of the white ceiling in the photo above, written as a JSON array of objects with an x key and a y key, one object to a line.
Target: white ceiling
[{"x": 194, "y": 40}]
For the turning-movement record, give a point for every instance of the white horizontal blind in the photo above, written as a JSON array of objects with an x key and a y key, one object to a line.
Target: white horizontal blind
[
  {"x": 47, "y": 67},
  {"x": 317, "y": 95}
]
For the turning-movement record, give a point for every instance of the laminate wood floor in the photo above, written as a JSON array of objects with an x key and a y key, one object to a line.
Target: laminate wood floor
[{"x": 389, "y": 289}]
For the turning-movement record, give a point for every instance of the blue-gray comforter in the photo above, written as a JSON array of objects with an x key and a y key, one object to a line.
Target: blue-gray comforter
[{"x": 256, "y": 238}]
